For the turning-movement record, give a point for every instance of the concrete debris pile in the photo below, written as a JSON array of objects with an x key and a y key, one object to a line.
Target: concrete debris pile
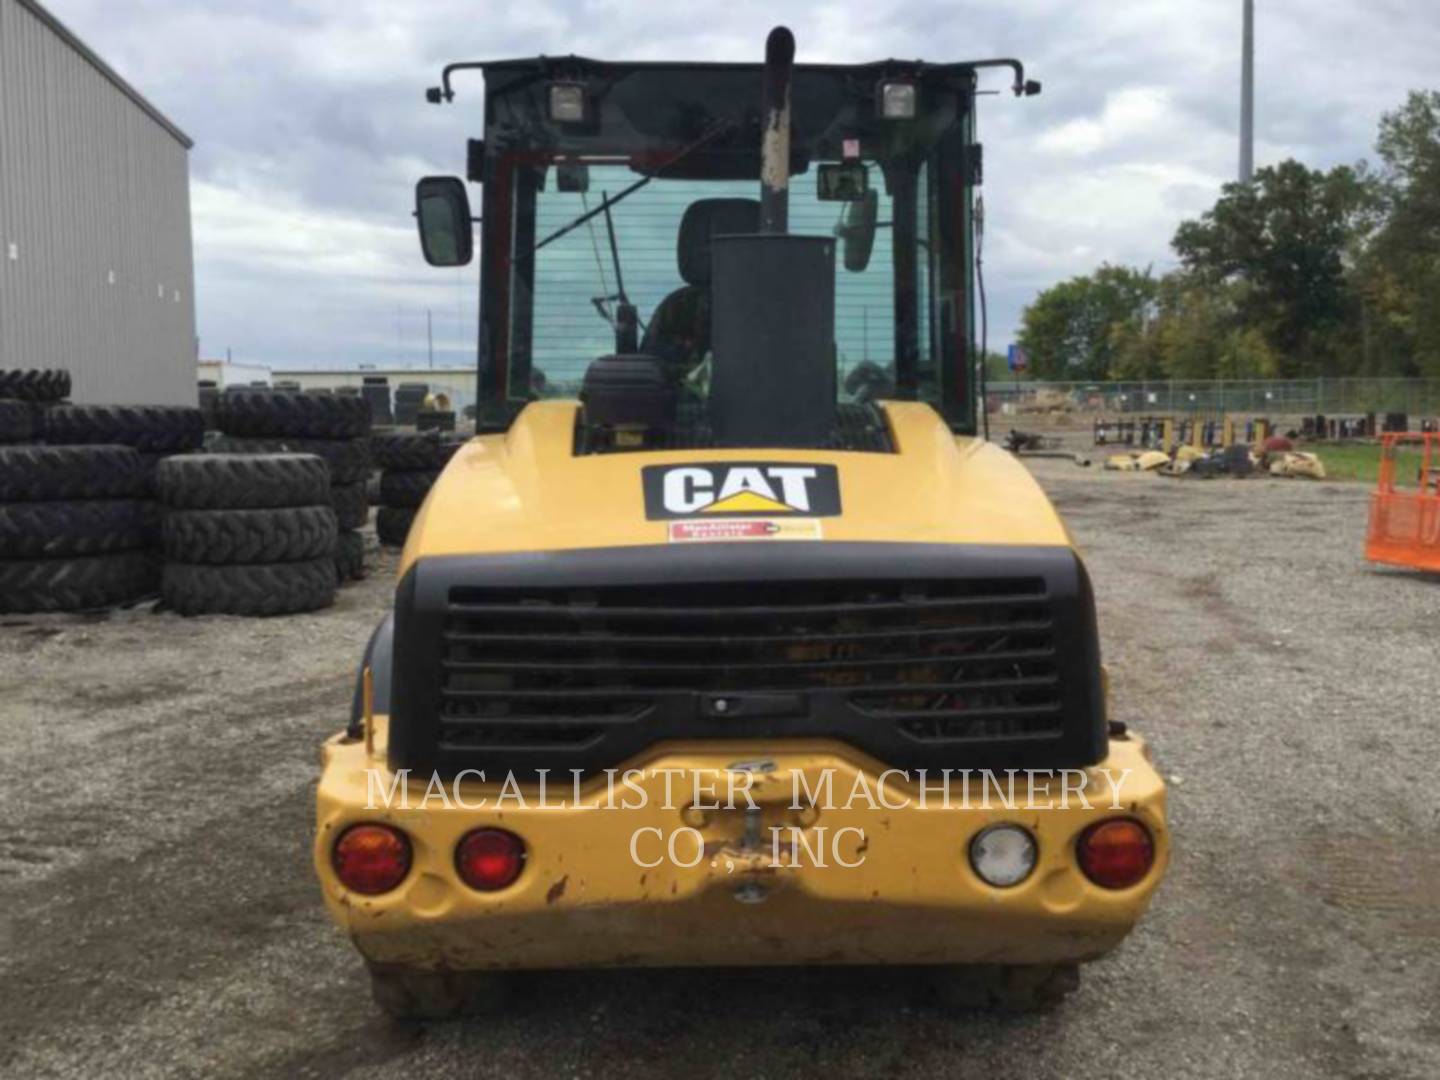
[{"x": 1233, "y": 461}]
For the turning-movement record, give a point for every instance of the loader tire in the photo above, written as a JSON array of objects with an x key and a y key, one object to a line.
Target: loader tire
[
  {"x": 63, "y": 473},
  {"x": 1008, "y": 988},
  {"x": 349, "y": 556},
  {"x": 261, "y": 589},
  {"x": 405, "y": 490},
  {"x": 406, "y": 993},
  {"x": 272, "y": 414},
  {"x": 352, "y": 508},
  {"x": 392, "y": 525},
  {"x": 92, "y": 581},
  {"x": 242, "y": 481},
  {"x": 152, "y": 467},
  {"x": 405, "y": 452},
  {"x": 151, "y": 429},
  {"x": 35, "y": 385},
  {"x": 17, "y": 421},
  {"x": 232, "y": 537},
  {"x": 50, "y": 530},
  {"x": 347, "y": 459}
]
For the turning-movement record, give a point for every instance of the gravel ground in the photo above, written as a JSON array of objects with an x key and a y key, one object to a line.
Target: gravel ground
[{"x": 158, "y": 916}]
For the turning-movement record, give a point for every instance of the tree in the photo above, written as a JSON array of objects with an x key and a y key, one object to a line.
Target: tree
[
  {"x": 1076, "y": 329},
  {"x": 1285, "y": 235},
  {"x": 1400, "y": 274}
]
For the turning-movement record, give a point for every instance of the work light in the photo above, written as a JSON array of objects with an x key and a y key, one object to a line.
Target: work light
[
  {"x": 567, "y": 103},
  {"x": 897, "y": 100}
]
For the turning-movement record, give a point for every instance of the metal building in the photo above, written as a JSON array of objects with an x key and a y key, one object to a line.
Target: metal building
[{"x": 96, "y": 267}]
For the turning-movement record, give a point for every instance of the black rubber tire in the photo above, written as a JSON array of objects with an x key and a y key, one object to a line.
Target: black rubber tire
[
  {"x": 242, "y": 481},
  {"x": 262, "y": 589},
  {"x": 352, "y": 508},
  {"x": 392, "y": 525},
  {"x": 33, "y": 385},
  {"x": 51, "y": 530},
  {"x": 17, "y": 421},
  {"x": 405, "y": 452},
  {"x": 270, "y": 414},
  {"x": 349, "y": 556},
  {"x": 233, "y": 537},
  {"x": 63, "y": 473},
  {"x": 406, "y": 489},
  {"x": 93, "y": 581},
  {"x": 347, "y": 459},
  {"x": 1009, "y": 988},
  {"x": 151, "y": 429},
  {"x": 406, "y": 993},
  {"x": 152, "y": 467}
]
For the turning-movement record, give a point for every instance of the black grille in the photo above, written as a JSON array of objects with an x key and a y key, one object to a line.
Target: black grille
[{"x": 583, "y": 676}]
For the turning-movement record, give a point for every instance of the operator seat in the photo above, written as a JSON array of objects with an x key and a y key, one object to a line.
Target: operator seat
[{"x": 679, "y": 331}]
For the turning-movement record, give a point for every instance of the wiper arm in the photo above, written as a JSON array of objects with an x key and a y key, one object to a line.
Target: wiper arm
[{"x": 606, "y": 202}]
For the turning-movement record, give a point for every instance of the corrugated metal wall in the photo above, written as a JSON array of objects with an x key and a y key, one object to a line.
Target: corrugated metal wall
[{"x": 96, "y": 267}]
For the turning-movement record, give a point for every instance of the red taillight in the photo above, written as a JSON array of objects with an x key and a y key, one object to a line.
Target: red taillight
[
  {"x": 371, "y": 859},
  {"x": 1116, "y": 854},
  {"x": 489, "y": 859}
]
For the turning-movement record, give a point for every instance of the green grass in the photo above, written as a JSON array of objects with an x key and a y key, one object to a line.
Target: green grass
[{"x": 1360, "y": 462}]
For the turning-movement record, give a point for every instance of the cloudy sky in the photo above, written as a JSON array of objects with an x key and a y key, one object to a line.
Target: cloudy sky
[{"x": 311, "y": 128}]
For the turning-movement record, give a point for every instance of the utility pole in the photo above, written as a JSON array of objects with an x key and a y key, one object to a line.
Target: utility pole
[
  {"x": 1247, "y": 97},
  {"x": 430, "y": 334}
]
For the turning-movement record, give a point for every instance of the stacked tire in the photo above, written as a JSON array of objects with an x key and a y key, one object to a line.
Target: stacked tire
[
  {"x": 42, "y": 386},
  {"x": 154, "y": 431},
  {"x": 409, "y": 397},
  {"x": 333, "y": 427},
  {"x": 410, "y": 463},
  {"x": 72, "y": 526},
  {"x": 247, "y": 534}
]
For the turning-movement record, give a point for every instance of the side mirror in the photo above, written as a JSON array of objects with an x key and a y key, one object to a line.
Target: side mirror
[
  {"x": 857, "y": 231},
  {"x": 844, "y": 182},
  {"x": 442, "y": 210}
]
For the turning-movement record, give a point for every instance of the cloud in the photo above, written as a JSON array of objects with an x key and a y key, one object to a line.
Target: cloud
[{"x": 311, "y": 128}]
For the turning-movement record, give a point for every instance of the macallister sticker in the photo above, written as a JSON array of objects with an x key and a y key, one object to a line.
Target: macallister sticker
[
  {"x": 757, "y": 490},
  {"x": 728, "y": 529}
]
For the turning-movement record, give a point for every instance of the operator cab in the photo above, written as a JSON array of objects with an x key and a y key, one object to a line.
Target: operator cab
[{"x": 625, "y": 259}]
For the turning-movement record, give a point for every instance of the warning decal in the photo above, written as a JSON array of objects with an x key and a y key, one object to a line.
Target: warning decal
[{"x": 728, "y": 529}]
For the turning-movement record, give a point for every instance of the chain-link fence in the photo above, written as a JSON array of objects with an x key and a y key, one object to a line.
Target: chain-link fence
[{"x": 1416, "y": 397}]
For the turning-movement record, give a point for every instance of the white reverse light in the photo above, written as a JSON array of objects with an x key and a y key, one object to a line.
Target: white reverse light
[{"x": 1003, "y": 855}]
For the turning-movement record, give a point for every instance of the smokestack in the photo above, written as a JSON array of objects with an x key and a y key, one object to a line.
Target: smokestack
[
  {"x": 775, "y": 144},
  {"x": 1247, "y": 97}
]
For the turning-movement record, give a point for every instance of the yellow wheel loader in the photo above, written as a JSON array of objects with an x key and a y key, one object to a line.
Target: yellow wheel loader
[{"x": 727, "y": 641}]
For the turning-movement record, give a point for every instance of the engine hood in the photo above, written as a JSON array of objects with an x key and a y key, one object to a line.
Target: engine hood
[{"x": 526, "y": 491}]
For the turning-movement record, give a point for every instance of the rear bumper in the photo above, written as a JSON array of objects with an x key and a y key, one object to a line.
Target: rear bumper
[{"x": 877, "y": 871}]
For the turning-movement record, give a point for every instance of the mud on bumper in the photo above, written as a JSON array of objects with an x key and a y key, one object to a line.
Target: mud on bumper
[{"x": 872, "y": 869}]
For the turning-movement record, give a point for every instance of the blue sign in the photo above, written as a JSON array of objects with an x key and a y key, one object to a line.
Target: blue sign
[{"x": 1017, "y": 358}]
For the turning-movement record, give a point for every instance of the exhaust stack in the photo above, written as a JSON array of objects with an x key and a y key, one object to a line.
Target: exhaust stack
[
  {"x": 773, "y": 302},
  {"x": 775, "y": 142}
]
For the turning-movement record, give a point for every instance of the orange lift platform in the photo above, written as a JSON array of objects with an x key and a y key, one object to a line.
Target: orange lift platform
[{"x": 1405, "y": 519}]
